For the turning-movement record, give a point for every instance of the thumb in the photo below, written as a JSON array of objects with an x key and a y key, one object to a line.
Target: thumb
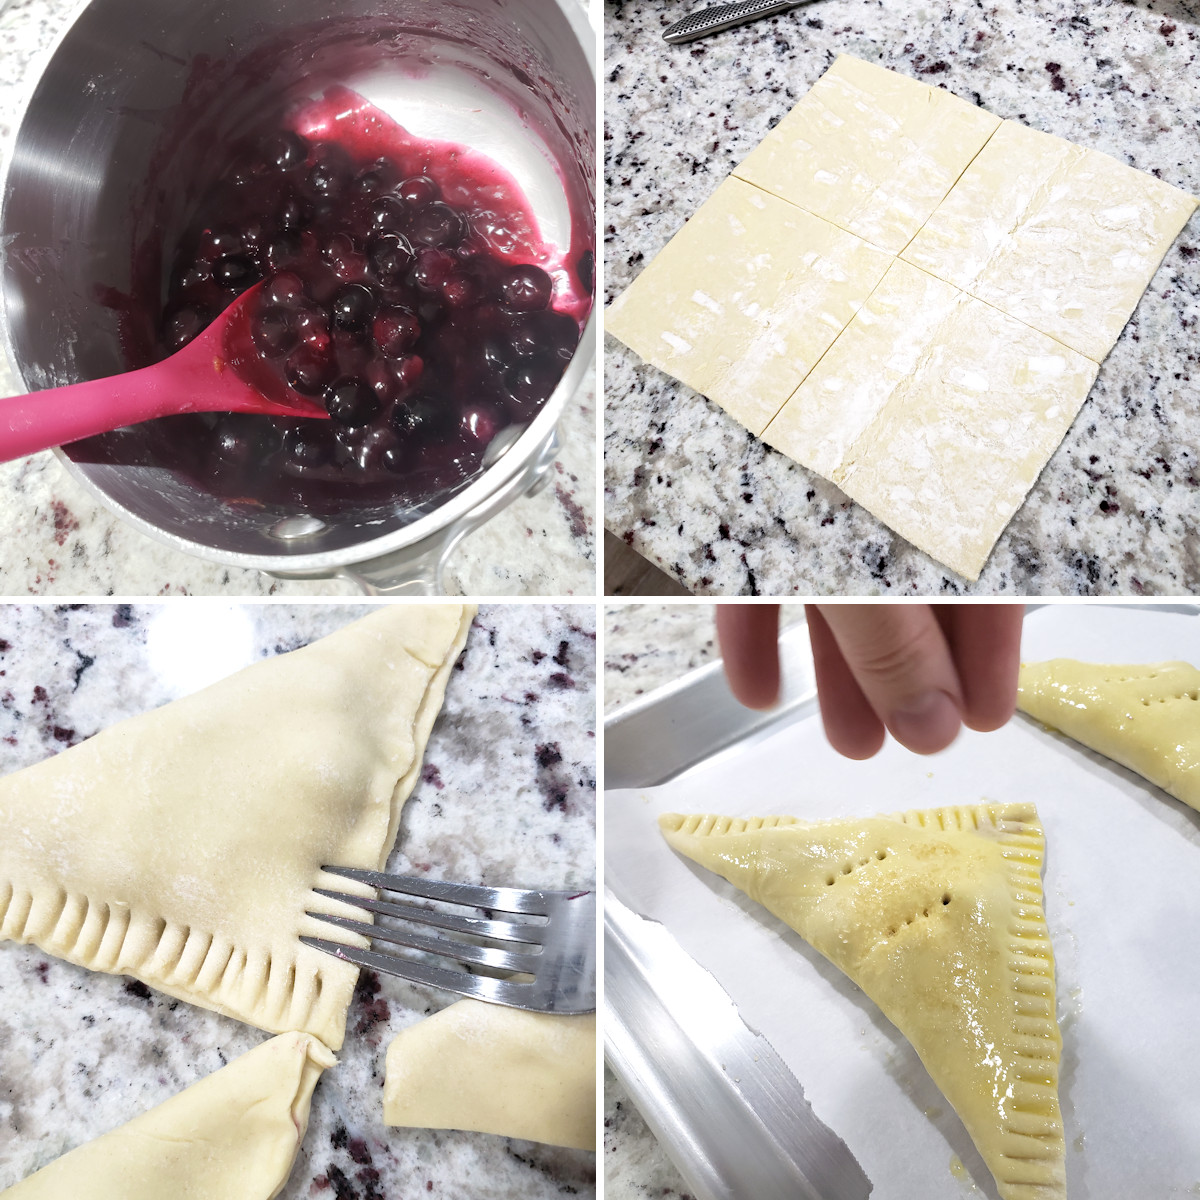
[{"x": 901, "y": 662}]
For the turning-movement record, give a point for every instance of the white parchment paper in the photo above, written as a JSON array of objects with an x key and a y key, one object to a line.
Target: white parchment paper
[{"x": 1122, "y": 884}]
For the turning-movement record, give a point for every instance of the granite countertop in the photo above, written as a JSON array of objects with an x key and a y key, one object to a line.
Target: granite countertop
[
  {"x": 1117, "y": 509},
  {"x": 646, "y": 646},
  {"x": 507, "y": 796},
  {"x": 60, "y": 542}
]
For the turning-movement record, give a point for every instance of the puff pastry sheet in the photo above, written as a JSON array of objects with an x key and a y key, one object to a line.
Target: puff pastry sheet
[
  {"x": 183, "y": 846},
  {"x": 756, "y": 297},
  {"x": 936, "y": 413},
  {"x": 745, "y": 299},
  {"x": 1145, "y": 717},
  {"x": 496, "y": 1070},
  {"x": 870, "y": 150},
  {"x": 1060, "y": 237},
  {"x": 937, "y": 916},
  {"x": 232, "y": 1135}
]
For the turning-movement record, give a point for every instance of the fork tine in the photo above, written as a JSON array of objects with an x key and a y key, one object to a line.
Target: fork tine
[
  {"x": 481, "y": 987},
  {"x": 487, "y": 956},
  {"x": 501, "y": 931},
  {"x": 513, "y": 900}
]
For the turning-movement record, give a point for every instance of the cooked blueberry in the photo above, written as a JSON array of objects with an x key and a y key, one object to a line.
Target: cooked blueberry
[
  {"x": 549, "y": 333},
  {"x": 587, "y": 270},
  {"x": 408, "y": 371},
  {"x": 432, "y": 270},
  {"x": 421, "y": 415},
  {"x": 395, "y": 331},
  {"x": 286, "y": 288},
  {"x": 353, "y": 307},
  {"x": 216, "y": 243},
  {"x": 294, "y": 213},
  {"x": 381, "y": 379},
  {"x": 273, "y": 331},
  {"x": 286, "y": 151},
  {"x": 526, "y": 289},
  {"x": 245, "y": 440},
  {"x": 438, "y": 224},
  {"x": 391, "y": 257},
  {"x": 197, "y": 274},
  {"x": 351, "y": 402},
  {"x": 460, "y": 291},
  {"x": 418, "y": 191},
  {"x": 479, "y": 423},
  {"x": 311, "y": 326},
  {"x": 534, "y": 380},
  {"x": 327, "y": 179},
  {"x": 308, "y": 445},
  {"x": 283, "y": 250},
  {"x": 309, "y": 371},
  {"x": 387, "y": 215},
  {"x": 380, "y": 176},
  {"x": 235, "y": 271},
  {"x": 183, "y": 327}
]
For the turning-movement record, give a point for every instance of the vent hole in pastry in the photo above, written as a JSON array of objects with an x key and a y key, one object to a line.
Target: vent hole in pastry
[
  {"x": 829, "y": 881},
  {"x": 881, "y": 855},
  {"x": 846, "y": 869},
  {"x": 946, "y": 898},
  {"x": 925, "y": 912}
]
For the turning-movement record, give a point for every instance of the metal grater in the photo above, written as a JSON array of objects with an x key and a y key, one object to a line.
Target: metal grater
[{"x": 724, "y": 16}]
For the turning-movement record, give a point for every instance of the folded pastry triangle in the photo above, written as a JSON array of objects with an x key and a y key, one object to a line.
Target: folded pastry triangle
[
  {"x": 496, "y": 1070},
  {"x": 1146, "y": 718},
  {"x": 937, "y": 916},
  {"x": 233, "y": 1134},
  {"x": 183, "y": 846}
]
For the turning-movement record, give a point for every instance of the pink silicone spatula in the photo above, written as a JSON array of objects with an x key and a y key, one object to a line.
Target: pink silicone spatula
[{"x": 218, "y": 371}]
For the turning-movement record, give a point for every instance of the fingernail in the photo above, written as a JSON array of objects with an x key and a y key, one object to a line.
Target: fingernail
[{"x": 927, "y": 725}]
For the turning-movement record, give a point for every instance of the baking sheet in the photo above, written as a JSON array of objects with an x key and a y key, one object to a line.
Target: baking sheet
[{"x": 1122, "y": 885}]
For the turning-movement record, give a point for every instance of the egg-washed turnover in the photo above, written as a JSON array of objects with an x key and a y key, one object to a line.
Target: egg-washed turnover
[
  {"x": 1145, "y": 717},
  {"x": 937, "y": 916},
  {"x": 907, "y": 295}
]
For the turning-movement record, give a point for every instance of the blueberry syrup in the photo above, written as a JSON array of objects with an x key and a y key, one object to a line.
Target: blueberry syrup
[{"x": 404, "y": 284}]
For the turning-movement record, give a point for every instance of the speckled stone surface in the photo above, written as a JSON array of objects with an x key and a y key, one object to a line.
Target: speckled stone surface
[
  {"x": 60, "y": 542},
  {"x": 1117, "y": 509},
  {"x": 507, "y": 797},
  {"x": 645, "y": 646}
]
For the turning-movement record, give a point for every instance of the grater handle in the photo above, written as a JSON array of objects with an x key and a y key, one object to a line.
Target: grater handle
[{"x": 723, "y": 16}]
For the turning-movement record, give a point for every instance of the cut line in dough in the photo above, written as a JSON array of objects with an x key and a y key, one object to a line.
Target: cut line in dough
[
  {"x": 936, "y": 413},
  {"x": 1145, "y": 717},
  {"x": 183, "y": 846},
  {"x": 745, "y": 299},
  {"x": 870, "y": 150},
  {"x": 233, "y": 1134},
  {"x": 937, "y": 915},
  {"x": 492, "y": 1069},
  {"x": 1063, "y": 238}
]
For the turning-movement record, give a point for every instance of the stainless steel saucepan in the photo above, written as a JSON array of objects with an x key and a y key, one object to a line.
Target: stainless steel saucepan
[{"x": 96, "y": 158}]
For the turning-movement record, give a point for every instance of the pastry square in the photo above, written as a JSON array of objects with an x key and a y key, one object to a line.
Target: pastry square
[
  {"x": 936, "y": 413},
  {"x": 1060, "y": 237},
  {"x": 937, "y": 915},
  {"x": 184, "y": 846},
  {"x": 870, "y": 150},
  {"x": 1145, "y": 717},
  {"x": 745, "y": 299}
]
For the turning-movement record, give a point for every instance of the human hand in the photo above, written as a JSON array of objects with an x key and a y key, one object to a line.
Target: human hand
[{"x": 920, "y": 671}]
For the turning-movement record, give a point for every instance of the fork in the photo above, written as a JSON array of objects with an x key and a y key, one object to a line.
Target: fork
[{"x": 558, "y": 951}]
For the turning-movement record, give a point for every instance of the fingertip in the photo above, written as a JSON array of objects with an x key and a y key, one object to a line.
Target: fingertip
[{"x": 928, "y": 725}]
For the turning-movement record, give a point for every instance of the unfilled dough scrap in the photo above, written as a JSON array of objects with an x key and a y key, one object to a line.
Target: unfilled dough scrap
[
  {"x": 497, "y": 1070},
  {"x": 870, "y": 150},
  {"x": 182, "y": 846},
  {"x": 936, "y": 413},
  {"x": 1063, "y": 238},
  {"x": 1145, "y": 717},
  {"x": 232, "y": 1135},
  {"x": 937, "y": 916},
  {"x": 745, "y": 299}
]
